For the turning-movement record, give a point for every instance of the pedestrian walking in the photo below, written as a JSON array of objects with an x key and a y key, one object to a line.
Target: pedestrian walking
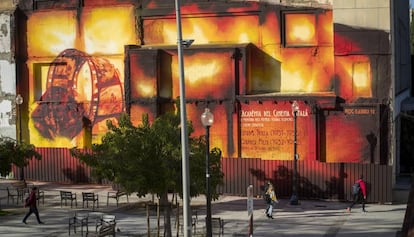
[
  {"x": 359, "y": 194},
  {"x": 31, "y": 202},
  {"x": 271, "y": 199},
  {"x": 264, "y": 194}
]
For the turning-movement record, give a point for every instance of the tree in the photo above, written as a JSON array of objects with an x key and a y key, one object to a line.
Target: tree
[
  {"x": 147, "y": 159},
  {"x": 15, "y": 153}
]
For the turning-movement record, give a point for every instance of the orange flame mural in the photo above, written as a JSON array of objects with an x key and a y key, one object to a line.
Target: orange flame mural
[{"x": 240, "y": 50}]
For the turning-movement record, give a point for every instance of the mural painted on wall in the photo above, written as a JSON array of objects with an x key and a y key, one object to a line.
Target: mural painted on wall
[
  {"x": 281, "y": 53},
  {"x": 76, "y": 70},
  {"x": 81, "y": 91},
  {"x": 267, "y": 128}
]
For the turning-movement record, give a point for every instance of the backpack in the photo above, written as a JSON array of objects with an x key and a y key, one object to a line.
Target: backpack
[
  {"x": 356, "y": 188},
  {"x": 266, "y": 195},
  {"x": 267, "y": 198}
]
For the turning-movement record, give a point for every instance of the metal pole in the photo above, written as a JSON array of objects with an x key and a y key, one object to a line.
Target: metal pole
[
  {"x": 20, "y": 138},
  {"x": 250, "y": 208},
  {"x": 294, "y": 197},
  {"x": 251, "y": 226},
  {"x": 295, "y": 156},
  {"x": 184, "y": 134},
  {"x": 19, "y": 101},
  {"x": 208, "y": 194}
]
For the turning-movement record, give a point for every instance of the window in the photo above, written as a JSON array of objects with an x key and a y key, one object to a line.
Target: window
[
  {"x": 40, "y": 71},
  {"x": 299, "y": 30}
]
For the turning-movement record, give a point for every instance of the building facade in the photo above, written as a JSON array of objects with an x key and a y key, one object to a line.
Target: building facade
[
  {"x": 78, "y": 63},
  {"x": 7, "y": 70}
]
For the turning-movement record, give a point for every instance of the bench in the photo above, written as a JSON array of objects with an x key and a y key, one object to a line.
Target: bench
[
  {"x": 90, "y": 197},
  {"x": 19, "y": 184},
  {"x": 40, "y": 195},
  {"x": 116, "y": 195},
  {"x": 104, "y": 230},
  {"x": 17, "y": 191},
  {"x": 13, "y": 194},
  {"x": 68, "y": 196},
  {"x": 217, "y": 226},
  {"x": 79, "y": 219},
  {"x": 194, "y": 220},
  {"x": 105, "y": 226}
]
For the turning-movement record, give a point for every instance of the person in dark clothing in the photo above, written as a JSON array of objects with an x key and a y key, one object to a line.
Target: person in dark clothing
[
  {"x": 31, "y": 202},
  {"x": 359, "y": 196}
]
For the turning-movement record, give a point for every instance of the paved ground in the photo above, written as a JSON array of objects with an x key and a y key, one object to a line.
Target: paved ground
[{"x": 309, "y": 219}]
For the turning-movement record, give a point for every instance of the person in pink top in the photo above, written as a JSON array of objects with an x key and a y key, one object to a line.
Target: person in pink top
[{"x": 359, "y": 195}]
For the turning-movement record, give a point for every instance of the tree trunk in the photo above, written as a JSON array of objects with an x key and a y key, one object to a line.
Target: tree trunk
[{"x": 166, "y": 207}]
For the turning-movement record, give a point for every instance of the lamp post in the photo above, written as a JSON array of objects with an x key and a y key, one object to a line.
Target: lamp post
[
  {"x": 294, "y": 197},
  {"x": 19, "y": 101},
  {"x": 184, "y": 133},
  {"x": 207, "y": 120}
]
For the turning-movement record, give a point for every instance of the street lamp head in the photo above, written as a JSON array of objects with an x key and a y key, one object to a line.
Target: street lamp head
[
  {"x": 295, "y": 106},
  {"x": 19, "y": 99},
  {"x": 207, "y": 118}
]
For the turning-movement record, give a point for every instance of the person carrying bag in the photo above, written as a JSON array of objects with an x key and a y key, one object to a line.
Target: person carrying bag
[{"x": 270, "y": 198}]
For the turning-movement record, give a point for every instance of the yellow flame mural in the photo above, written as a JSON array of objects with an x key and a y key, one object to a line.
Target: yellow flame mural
[{"x": 76, "y": 71}]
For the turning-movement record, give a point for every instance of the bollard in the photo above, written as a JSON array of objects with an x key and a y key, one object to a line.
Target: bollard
[{"x": 250, "y": 208}]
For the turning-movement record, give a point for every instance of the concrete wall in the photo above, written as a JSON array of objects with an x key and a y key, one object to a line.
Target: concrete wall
[
  {"x": 7, "y": 70},
  {"x": 391, "y": 17},
  {"x": 374, "y": 14}
]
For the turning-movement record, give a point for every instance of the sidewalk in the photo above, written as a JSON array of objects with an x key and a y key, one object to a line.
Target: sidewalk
[{"x": 309, "y": 219}]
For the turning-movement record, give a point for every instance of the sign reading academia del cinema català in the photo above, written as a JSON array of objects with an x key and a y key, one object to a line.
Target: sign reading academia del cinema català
[{"x": 267, "y": 130}]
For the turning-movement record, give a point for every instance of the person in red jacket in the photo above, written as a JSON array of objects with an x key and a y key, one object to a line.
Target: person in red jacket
[
  {"x": 31, "y": 202},
  {"x": 360, "y": 196}
]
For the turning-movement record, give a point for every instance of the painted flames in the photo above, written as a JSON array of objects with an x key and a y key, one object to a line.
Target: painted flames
[{"x": 304, "y": 59}]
